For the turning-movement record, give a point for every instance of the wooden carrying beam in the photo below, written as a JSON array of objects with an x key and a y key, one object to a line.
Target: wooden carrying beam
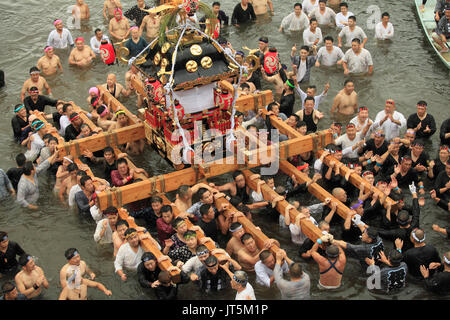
[
  {"x": 176, "y": 212},
  {"x": 258, "y": 235},
  {"x": 115, "y": 104},
  {"x": 148, "y": 246},
  {"x": 102, "y": 140},
  {"x": 85, "y": 118},
  {"x": 308, "y": 228},
  {"x": 314, "y": 188},
  {"x": 356, "y": 180}
]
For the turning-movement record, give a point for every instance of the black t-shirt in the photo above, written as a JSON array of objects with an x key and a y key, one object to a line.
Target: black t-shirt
[
  {"x": 71, "y": 133},
  {"x": 108, "y": 168},
  {"x": 14, "y": 175},
  {"x": 256, "y": 80},
  {"x": 242, "y": 16},
  {"x": 214, "y": 282},
  {"x": 365, "y": 250},
  {"x": 441, "y": 181},
  {"x": 445, "y": 128},
  {"x": 415, "y": 257},
  {"x": 40, "y": 103},
  {"x": 370, "y": 146},
  {"x": 209, "y": 228},
  {"x": 403, "y": 150},
  {"x": 423, "y": 159},
  {"x": 387, "y": 168},
  {"x": 308, "y": 119},
  {"x": 438, "y": 167},
  {"x": 439, "y": 283},
  {"x": 166, "y": 293},
  {"x": 8, "y": 259},
  {"x": 413, "y": 122},
  {"x": 145, "y": 276},
  {"x": 287, "y": 103},
  {"x": 407, "y": 179},
  {"x": 17, "y": 123}
]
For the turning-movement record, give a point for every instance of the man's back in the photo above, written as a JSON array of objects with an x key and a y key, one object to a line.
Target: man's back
[
  {"x": 415, "y": 257},
  {"x": 298, "y": 290}
]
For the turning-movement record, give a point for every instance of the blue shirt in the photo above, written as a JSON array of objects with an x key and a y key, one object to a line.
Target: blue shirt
[{"x": 135, "y": 48}]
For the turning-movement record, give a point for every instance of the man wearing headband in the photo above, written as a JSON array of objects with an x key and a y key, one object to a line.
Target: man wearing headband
[
  {"x": 239, "y": 282},
  {"x": 124, "y": 175},
  {"x": 295, "y": 21},
  {"x": 331, "y": 267},
  {"x": 346, "y": 101},
  {"x": 19, "y": 123},
  {"x": 74, "y": 129},
  {"x": 175, "y": 241},
  {"x": 298, "y": 287},
  {"x": 115, "y": 88},
  {"x": 440, "y": 282},
  {"x": 389, "y": 120},
  {"x": 422, "y": 122},
  {"x": 242, "y": 13},
  {"x": 362, "y": 118},
  {"x": 31, "y": 278},
  {"x": 60, "y": 37},
  {"x": 109, "y": 6},
  {"x": 234, "y": 245},
  {"x": 148, "y": 271},
  {"x": 136, "y": 13},
  {"x": 249, "y": 255},
  {"x": 213, "y": 277},
  {"x": 81, "y": 10},
  {"x": 8, "y": 252},
  {"x": 119, "y": 26},
  {"x": 10, "y": 292},
  {"x": 35, "y": 101},
  {"x": 74, "y": 261},
  {"x": 419, "y": 157},
  {"x": 35, "y": 80},
  {"x": 50, "y": 62},
  {"x": 81, "y": 55},
  {"x": 406, "y": 176},
  {"x": 373, "y": 147},
  {"x": 421, "y": 254},
  {"x": 129, "y": 255},
  {"x": 352, "y": 141}
]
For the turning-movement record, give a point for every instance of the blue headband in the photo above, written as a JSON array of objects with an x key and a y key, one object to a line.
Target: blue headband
[
  {"x": 241, "y": 282},
  {"x": 238, "y": 228},
  {"x": 5, "y": 238},
  {"x": 37, "y": 129},
  {"x": 202, "y": 253},
  {"x": 357, "y": 205},
  {"x": 18, "y": 108}
]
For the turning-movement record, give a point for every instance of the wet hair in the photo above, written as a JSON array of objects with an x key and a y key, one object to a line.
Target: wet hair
[
  {"x": 100, "y": 109},
  {"x": 201, "y": 248},
  {"x": 166, "y": 208},
  {"x": 236, "y": 174},
  {"x": 201, "y": 192},
  {"x": 211, "y": 260},
  {"x": 176, "y": 221},
  {"x": 215, "y": 3},
  {"x": 347, "y": 81},
  {"x": 332, "y": 251},
  {"x": 264, "y": 255},
  {"x": 156, "y": 199},
  {"x": 72, "y": 167},
  {"x": 23, "y": 259},
  {"x": 3, "y": 234},
  {"x": 403, "y": 218},
  {"x": 238, "y": 114},
  {"x": 324, "y": 1},
  {"x": 46, "y": 136},
  {"x": 84, "y": 125},
  {"x": 27, "y": 168},
  {"x": 280, "y": 190},
  {"x": 323, "y": 223},
  {"x": 343, "y": 4},
  {"x": 34, "y": 69},
  {"x": 108, "y": 149},
  {"x": 97, "y": 30},
  {"x": 204, "y": 209},
  {"x": 395, "y": 257},
  {"x": 244, "y": 209},
  {"x": 418, "y": 141},
  {"x": 242, "y": 277},
  {"x": 305, "y": 47},
  {"x": 81, "y": 173},
  {"x": 397, "y": 196},
  {"x": 52, "y": 138},
  {"x": 164, "y": 277},
  {"x": 20, "y": 159},
  {"x": 148, "y": 256},
  {"x": 356, "y": 40},
  {"x": 7, "y": 287},
  {"x": 297, "y": 118},
  {"x": 312, "y": 20},
  {"x": 246, "y": 236},
  {"x": 69, "y": 253},
  {"x": 183, "y": 190},
  {"x": 372, "y": 233},
  {"x": 65, "y": 106},
  {"x": 300, "y": 124},
  {"x": 296, "y": 270},
  {"x": 122, "y": 222},
  {"x": 352, "y": 18},
  {"x": 385, "y": 14},
  {"x": 271, "y": 105},
  {"x": 111, "y": 210},
  {"x": 130, "y": 231},
  {"x": 122, "y": 160},
  {"x": 422, "y": 103},
  {"x": 189, "y": 233},
  {"x": 267, "y": 178},
  {"x": 245, "y": 86},
  {"x": 84, "y": 179},
  {"x": 309, "y": 99}
]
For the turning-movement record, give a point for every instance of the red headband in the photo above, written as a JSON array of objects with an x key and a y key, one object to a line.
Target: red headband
[
  {"x": 302, "y": 167},
  {"x": 77, "y": 116}
]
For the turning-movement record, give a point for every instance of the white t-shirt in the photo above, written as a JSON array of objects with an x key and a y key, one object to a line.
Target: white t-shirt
[
  {"x": 297, "y": 235},
  {"x": 293, "y": 23},
  {"x": 107, "y": 236},
  {"x": 349, "y": 35},
  {"x": 308, "y": 7},
  {"x": 358, "y": 63},
  {"x": 309, "y": 37},
  {"x": 329, "y": 59},
  {"x": 263, "y": 273},
  {"x": 347, "y": 143},
  {"x": 382, "y": 33},
  {"x": 73, "y": 191},
  {"x": 126, "y": 258},
  {"x": 95, "y": 44},
  {"x": 301, "y": 70},
  {"x": 246, "y": 294},
  {"x": 60, "y": 41},
  {"x": 64, "y": 122},
  {"x": 391, "y": 130},
  {"x": 341, "y": 18},
  {"x": 327, "y": 18}
]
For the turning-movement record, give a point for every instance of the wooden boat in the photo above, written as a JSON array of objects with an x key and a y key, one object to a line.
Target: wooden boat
[{"x": 426, "y": 18}]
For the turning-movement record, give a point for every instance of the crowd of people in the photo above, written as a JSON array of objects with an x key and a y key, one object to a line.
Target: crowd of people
[{"x": 377, "y": 150}]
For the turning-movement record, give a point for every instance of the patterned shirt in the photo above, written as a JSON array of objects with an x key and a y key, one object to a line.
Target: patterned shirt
[{"x": 136, "y": 14}]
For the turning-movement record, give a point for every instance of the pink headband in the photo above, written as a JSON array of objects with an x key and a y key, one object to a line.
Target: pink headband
[
  {"x": 48, "y": 49},
  {"x": 56, "y": 22},
  {"x": 118, "y": 10},
  {"x": 134, "y": 27},
  {"x": 104, "y": 112},
  {"x": 94, "y": 90}
]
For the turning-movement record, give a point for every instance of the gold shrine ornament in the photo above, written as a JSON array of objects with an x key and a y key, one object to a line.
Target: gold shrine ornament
[
  {"x": 196, "y": 50},
  {"x": 164, "y": 63},
  {"x": 157, "y": 59},
  {"x": 165, "y": 47},
  {"x": 191, "y": 66},
  {"x": 206, "y": 62}
]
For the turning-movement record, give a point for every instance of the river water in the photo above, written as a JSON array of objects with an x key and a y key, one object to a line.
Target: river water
[{"x": 405, "y": 70}]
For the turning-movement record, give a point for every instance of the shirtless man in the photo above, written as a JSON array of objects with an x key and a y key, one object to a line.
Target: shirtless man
[
  {"x": 151, "y": 23},
  {"x": 104, "y": 117},
  {"x": 69, "y": 182},
  {"x": 234, "y": 245},
  {"x": 109, "y": 6},
  {"x": 81, "y": 10},
  {"x": 82, "y": 54},
  {"x": 248, "y": 256},
  {"x": 346, "y": 101},
  {"x": 76, "y": 288},
  {"x": 184, "y": 194},
  {"x": 260, "y": 6},
  {"x": 31, "y": 279},
  {"x": 122, "y": 121},
  {"x": 49, "y": 63},
  {"x": 73, "y": 259},
  {"x": 133, "y": 74},
  {"x": 115, "y": 88},
  {"x": 35, "y": 81},
  {"x": 63, "y": 172},
  {"x": 331, "y": 268},
  {"x": 119, "y": 26}
]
